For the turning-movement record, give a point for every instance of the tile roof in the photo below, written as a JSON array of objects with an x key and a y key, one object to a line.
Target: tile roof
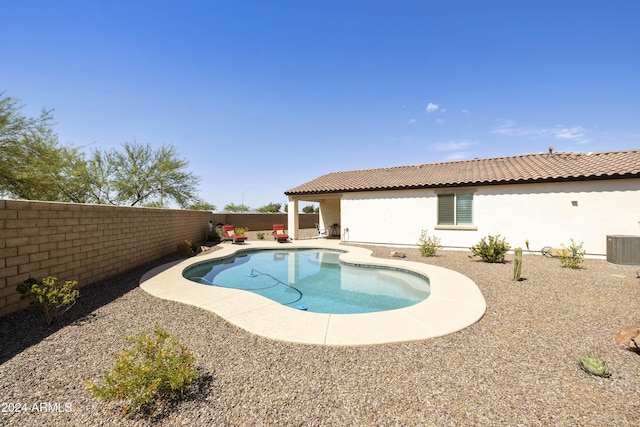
[{"x": 528, "y": 168}]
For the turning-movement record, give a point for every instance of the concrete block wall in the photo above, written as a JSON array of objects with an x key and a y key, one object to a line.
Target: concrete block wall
[
  {"x": 86, "y": 243},
  {"x": 262, "y": 222}
]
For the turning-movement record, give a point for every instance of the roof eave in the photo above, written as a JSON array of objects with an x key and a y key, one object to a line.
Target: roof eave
[{"x": 600, "y": 177}]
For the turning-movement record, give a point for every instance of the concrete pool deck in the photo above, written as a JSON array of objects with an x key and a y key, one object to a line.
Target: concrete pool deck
[{"x": 455, "y": 302}]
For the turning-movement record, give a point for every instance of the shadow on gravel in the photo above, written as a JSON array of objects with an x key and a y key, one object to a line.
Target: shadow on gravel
[
  {"x": 21, "y": 330},
  {"x": 197, "y": 392}
]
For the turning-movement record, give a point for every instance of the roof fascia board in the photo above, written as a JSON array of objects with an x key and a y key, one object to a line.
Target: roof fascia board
[{"x": 474, "y": 184}]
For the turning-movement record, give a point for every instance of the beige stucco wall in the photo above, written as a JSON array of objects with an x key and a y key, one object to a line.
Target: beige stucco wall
[
  {"x": 330, "y": 216},
  {"x": 542, "y": 213}
]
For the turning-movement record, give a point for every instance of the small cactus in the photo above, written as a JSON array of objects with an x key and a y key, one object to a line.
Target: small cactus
[
  {"x": 594, "y": 365},
  {"x": 517, "y": 264}
]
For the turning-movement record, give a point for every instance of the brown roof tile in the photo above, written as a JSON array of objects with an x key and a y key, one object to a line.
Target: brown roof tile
[{"x": 498, "y": 170}]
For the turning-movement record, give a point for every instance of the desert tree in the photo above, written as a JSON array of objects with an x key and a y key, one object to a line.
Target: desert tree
[
  {"x": 309, "y": 209},
  {"x": 201, "y": 205},
  {"x": 33, "y": 165},
  {"x": 270, "y": 208},
  {"x": 232, "y": 207},
  {"x": 140, "y": 176}
]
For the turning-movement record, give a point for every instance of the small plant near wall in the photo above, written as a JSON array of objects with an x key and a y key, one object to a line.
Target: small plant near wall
[
  {"x": 260, "y": 235},
  {"x": 187, "y": 248},
  {"x": 491, "y": 249},
  {"x": 428, "y": 245},
  {"x": 212, "y": 236},
  {"x": 50, "y": 297},
  {"x": 241, "y": 230},
  {"x": 157, "y": 368},
  {"x": 572, "y": 256}
]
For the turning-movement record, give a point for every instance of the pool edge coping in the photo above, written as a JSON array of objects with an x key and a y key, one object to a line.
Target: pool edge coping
[{"x": 455, "y": 302}]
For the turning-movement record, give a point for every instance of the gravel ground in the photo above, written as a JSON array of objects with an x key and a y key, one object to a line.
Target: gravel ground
[{"x": 517, "y": 366}]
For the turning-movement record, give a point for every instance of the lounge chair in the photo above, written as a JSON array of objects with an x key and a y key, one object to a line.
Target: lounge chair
[
  {"x": 230, "y": 234},
  {"x": 322, "y": 233},
  {"x": 279, "y": 234}
]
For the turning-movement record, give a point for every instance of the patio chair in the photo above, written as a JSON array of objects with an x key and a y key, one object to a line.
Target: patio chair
[
  {"x": 279, "y": 233},
  {"x": 322, "y": 233},
  {"x": 230, "y": 234}
]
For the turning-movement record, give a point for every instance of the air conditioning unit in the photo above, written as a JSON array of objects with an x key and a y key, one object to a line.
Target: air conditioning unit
[{"x": 624, "y": 250}]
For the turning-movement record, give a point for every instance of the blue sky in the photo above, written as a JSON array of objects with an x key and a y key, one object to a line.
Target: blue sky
[{"x": 260, "y": 96}]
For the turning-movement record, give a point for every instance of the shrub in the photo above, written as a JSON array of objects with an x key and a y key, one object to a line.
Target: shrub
[
  {"x": 186, "y": 248},
  {"x": 48, "y": 296},
  {"x": 241, "y": 230},
  {"x": 212, "y": 236},
  {"x": 260, "y": 236},
  {"x": 491, "y": 249},
  {"x": 572, "y": 256},
  {"x": 428, "y": 245},
  {"x": 157, "y": 368}
]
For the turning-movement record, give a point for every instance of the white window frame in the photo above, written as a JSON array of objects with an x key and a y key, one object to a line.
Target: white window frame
[{"x": 455, "y": 225}]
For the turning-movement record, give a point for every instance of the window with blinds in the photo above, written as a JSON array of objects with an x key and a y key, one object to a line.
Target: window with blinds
[{"x": 455, "y": 209}]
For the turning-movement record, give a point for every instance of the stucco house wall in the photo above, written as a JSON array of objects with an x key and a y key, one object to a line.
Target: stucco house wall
[
  {"x": 547, "y": 214},
  {"x": 329, "y": 215}
]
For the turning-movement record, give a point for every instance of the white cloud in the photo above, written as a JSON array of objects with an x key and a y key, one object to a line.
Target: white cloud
[
  {"x": 453, "y": 145},
  {"x": 461, "y": 155},
  {"x": 508, "y": 128},
  {"x": 440, "y": 122},
  {"x": 412, "y": 121},
  {"x": 432, "y": 107},
  {"x": 574, "y": 133}
]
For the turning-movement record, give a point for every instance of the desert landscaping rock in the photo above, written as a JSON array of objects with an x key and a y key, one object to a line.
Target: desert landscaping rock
[
  {"x": 629, "y": 339},
  {"x": 517, "y": 366}
]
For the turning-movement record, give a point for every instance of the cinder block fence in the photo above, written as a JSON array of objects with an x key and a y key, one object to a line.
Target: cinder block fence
[
  {"x": 86, "y": 243},
  {"x": 89, "y": 243}
]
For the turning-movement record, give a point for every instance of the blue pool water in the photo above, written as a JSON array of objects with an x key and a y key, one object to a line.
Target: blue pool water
[{"x": 314, "y": 280}]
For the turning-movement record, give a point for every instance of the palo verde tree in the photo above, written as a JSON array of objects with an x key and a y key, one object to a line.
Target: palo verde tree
[
  {"x": 201, "y": 205},
  {"x": 140, "y": 176},
  {"x": 270, "y": 208},
  {"x": 232, "y": 207},
  {"x": 309, "y": 209},
  {"x": 33, "y": 165}
]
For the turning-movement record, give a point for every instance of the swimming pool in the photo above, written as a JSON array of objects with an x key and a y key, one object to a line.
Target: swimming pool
[
  {"x": 454, "y": 302},
  {"x": 314, "y": 280}
]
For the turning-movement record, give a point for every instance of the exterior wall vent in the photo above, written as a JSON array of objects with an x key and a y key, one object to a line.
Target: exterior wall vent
[{"x": 624, "y": 250}]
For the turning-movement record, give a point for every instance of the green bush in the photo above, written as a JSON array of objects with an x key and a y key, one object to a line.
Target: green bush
[
  {"x": 212, "y": 236},
  {"x": 491, "y": 249},
  {"x": 186, "y": 248},
  {"x": 572, "y": 256},
  {"x": 48, "y": 296},
  {"x": 428, "y": 245},
  {"x": 260, "y": 236},
  {"x": 241, "y": 230},
  {"x": 157, "y": 368}
]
